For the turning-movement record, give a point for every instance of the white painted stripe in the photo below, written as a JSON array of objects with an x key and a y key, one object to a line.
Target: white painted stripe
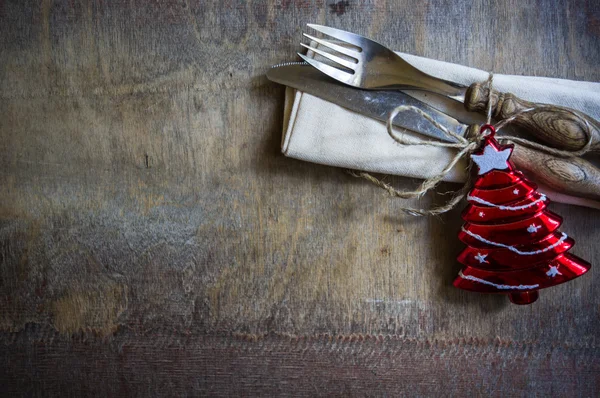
[
  {"x": 510, "y": 208},
  {"x": 511, "y": 248},
  {"x": 501, "y": 287}
]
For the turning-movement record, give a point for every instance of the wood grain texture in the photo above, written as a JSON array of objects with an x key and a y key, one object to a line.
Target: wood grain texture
[
  {"x": 143, "y": 191},
  {"x": 275, "y": 365},
  {"x": 561, "y": 127},
  {"x": 573, "y": 175}
]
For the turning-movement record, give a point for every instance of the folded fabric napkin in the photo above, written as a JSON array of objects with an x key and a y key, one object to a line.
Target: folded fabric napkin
[{"x": 318, "y": 131}]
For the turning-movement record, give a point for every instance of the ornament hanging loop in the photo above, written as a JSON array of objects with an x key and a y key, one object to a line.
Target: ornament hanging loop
[{"x": 487, "y": 130}]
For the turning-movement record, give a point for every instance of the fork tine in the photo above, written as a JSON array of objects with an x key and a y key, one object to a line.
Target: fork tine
[
  {"x": 330, "y": 71},
  {"x": 336, "y": 59},
  {"x": 342, "y": 35},
  {"x": 344, "y": 50}
]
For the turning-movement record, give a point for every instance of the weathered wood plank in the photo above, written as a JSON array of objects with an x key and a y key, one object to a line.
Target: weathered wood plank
[
  {"x": 162, "y": 364},
  {"x": 142, "y": 185}
]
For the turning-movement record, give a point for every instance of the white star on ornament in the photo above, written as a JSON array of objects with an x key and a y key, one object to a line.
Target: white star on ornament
[
  {"x": 481, "y": 258},
  {"x": 516, "y": 191},
  {"x": 532, "y": 229},
  {"x": 553, "y": 271},
  {"x": 481, "y": 214},
  {"x": 492, "y": 159}
]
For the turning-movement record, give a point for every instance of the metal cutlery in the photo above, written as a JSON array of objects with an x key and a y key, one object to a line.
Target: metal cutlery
[
  {"x": 572, "y": 176},
  {"x": 375, "y": 104},
  {"x": 366, "y": 64}
]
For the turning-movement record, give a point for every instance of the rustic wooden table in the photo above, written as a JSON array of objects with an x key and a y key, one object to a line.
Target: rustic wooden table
[{"x": 154, "y": 241}]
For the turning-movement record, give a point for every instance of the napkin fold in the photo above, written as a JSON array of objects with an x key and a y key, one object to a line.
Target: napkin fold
[{"x": 319, "y": 131}]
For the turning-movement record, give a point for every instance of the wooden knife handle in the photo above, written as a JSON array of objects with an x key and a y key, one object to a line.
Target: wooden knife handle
[
  {"x": 571, "y": 176},
  {"x": 554, "y": 125}
]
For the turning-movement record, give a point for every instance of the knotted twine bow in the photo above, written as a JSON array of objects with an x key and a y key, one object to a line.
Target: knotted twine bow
[{"x": 466, "y": 147}]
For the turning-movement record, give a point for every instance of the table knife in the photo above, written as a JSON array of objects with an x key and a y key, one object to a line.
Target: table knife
[
  {"x": 376, "y": 104},
  {"x": 572, "y": 176}
]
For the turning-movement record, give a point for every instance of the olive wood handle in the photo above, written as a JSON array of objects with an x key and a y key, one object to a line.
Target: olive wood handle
[
  {"x": 552, "y": 124},
  {"x": 571, "y": 176}
]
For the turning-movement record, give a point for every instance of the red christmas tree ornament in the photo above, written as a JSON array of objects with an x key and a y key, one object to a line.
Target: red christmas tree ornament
[{"x": 513, "y": 243}]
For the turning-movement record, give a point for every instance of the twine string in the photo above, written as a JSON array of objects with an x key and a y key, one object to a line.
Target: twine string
[
  {"x": 490, "y": 84},
  {"x": 466, "y": 147}
]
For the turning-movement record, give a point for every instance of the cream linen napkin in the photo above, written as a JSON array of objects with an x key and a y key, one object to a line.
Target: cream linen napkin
[{"x": 321, "y": 132}]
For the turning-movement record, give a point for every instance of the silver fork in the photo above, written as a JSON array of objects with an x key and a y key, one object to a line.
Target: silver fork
[
  {"x": 369, "y": 65},
  {"x": 373, "y": 66}
]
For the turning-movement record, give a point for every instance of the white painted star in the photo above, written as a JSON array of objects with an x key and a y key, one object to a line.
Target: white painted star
[
  {"x": 481, "y": 214},
  {"x": 481, "y": 258},
  {"x": 492, "y": 159},
  {"x": 516, "y": 191},
  {"x": 532, "y": 229},
  {"x": 553, "y": 271}
]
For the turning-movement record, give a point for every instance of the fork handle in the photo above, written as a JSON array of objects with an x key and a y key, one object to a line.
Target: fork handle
[{"x": 555, "y": 125}]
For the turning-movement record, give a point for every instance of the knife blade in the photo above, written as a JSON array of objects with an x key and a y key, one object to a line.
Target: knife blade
[{"x": 376, "y": 104}]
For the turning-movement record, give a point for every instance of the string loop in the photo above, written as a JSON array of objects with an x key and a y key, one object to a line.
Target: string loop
[{"x": 465, "y": 147}]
